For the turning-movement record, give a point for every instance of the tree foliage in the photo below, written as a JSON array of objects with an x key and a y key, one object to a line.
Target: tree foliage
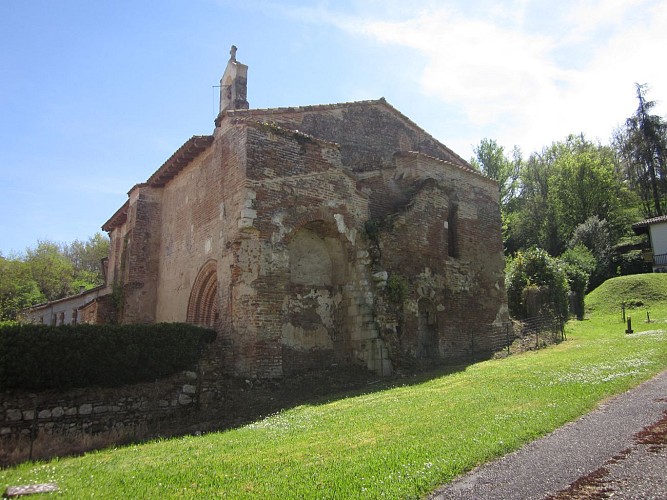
[
  {"x": 535, "y": 271},
  {"x": 578, "y": 264},
  {"x": 560, "y": 188},
  {"x": 50, "y": 271},
  {"x": 491, "y": 160},
  {"x": 642, "y": 146},
  {"x": 18, "y": 289},
  {"x": 594, "y": 234}
]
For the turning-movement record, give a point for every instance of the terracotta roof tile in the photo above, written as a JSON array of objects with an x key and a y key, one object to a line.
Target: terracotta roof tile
[
  {"x": 192, "y": 148},
  {"x": 642, "y": 226}
]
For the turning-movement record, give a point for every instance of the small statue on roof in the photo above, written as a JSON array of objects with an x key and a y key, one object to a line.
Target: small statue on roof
[{"x": 232, "y": 53}]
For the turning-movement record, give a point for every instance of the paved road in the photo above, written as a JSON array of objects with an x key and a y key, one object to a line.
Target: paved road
[{"x": 619, "y": 450}]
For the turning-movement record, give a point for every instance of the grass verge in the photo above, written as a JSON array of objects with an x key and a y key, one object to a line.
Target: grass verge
[{"x": 397, "y": 442}]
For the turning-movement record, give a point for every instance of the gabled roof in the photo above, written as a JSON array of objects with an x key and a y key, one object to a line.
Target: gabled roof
[
  {"x": 192, "y": 148},
  {"x": 642, "y": 227},
  {"x": 117, "y": 219},
  {"x": 197, "y": 144}
]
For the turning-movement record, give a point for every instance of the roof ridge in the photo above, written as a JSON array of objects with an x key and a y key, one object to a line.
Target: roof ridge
[{"x": 237, "y": 113}]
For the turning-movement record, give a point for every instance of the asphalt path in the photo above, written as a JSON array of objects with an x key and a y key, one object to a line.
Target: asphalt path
[{"x": 618, "y": 450}]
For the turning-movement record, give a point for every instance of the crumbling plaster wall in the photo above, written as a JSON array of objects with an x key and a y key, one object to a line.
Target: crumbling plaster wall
[{"x": 303, "y": 194}]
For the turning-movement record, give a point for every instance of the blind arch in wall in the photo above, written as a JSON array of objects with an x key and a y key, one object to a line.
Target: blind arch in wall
[{"x": 203, "y": 307}]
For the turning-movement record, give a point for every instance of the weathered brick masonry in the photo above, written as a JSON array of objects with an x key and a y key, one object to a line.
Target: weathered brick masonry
[{"x": 313, "y": 236}]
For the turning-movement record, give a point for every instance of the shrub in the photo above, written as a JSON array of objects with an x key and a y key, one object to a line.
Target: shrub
[
  {"x": 630, "y": 262},
  {"x": 397, "y": 288},
  {"x": 578, "y": 264},
  {"x": 594, "y": 234},
  {"x": 40, "y": 357},
  {"x": 536, "y": 270}
]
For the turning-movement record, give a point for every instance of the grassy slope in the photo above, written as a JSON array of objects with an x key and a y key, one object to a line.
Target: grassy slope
[
  {"x": 638, "y": 291},
  {"x": 399, "y": 442}
]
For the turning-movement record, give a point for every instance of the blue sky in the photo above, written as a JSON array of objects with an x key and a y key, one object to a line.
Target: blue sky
[{"x": 95, "y": 96}]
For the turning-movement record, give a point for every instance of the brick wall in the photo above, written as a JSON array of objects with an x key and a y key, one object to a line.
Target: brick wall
[
  {"x": 241, "y": 201},
  {"x": 141, "y": 255}
]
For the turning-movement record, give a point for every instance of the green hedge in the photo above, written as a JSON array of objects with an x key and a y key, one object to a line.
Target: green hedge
[{"x": 39, "y": 357}]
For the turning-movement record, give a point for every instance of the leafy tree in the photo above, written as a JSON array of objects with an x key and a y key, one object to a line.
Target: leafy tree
[
  {"x": 535, "y": 271},
  {"x": 490, "y": 159},
  {"x": 86, "y": 258},
  {"x": 561, "y": 187},
  {"x": 642, "y": 145},
  {"x": 51, "y": 269},
  {"x": 578, "y": 264},
  {"x": 585, "y": 184},
  {"x": 17, "y": 288},
  {"x": 61, "y": 269},
  {"x": 594, "y": 234},
  {"x": 533, "y": 222}
]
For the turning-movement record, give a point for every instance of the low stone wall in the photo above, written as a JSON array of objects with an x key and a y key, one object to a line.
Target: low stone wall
[
  {"x": 75, "y": 421},
  {"x": 133, "y": 410}
]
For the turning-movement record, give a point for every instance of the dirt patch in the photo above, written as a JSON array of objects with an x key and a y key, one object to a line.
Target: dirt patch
[
  {"x": 654, "y": 435},
  {"x": 590, "y": 487},
  {"x": 596, "y": 485}
]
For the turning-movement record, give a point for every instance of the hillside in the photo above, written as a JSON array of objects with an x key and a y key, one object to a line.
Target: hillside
[{"x": 637, "y": 291}]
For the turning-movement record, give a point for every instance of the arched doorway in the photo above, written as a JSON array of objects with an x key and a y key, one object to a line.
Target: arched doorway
[{"x": 203, "y": 307}]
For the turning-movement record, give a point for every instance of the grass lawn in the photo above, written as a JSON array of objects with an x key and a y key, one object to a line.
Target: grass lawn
[{"x": 396, "y": 442}]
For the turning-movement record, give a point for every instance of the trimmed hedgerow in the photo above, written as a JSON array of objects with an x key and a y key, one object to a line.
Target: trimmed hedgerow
[{"x": 40, "y": 357}]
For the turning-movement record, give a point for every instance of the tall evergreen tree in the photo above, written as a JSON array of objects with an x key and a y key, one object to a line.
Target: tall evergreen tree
[{"x": 642, "y": 145}]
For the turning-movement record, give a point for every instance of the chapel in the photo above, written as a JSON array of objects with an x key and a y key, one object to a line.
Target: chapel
[{"x": 311, "y": 236}]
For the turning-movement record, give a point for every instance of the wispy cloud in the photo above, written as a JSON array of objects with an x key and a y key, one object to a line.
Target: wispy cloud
[{"x": 525, "y": 73}]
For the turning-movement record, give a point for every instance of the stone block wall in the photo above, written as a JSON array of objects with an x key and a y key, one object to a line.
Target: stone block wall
[{"x": 131, "y": 411}]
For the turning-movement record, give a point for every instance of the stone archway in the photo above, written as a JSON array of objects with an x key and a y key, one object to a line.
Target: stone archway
[{"x": 203, "y": 307}]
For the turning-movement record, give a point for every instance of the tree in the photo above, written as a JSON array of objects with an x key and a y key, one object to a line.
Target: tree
[
  {"x": 594, "y": 234},
  {"x": 50, "y": 269},
  {"x": 642, "y": 145},
  {"x": 490, "y": 159},
  {"x": 532, "y": 222},
  {"x": 561, "y": 187},
  {"x": 578, "y": 264},
  {"x": 86, "y": 258},
  {"x": 585, "y": 184},
  {"x": 535, "y": 273},
  {"x": 17, "y": 288}
]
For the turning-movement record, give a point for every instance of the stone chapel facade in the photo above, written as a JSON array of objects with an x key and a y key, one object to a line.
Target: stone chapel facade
[{"x": 310, "y": 236}]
